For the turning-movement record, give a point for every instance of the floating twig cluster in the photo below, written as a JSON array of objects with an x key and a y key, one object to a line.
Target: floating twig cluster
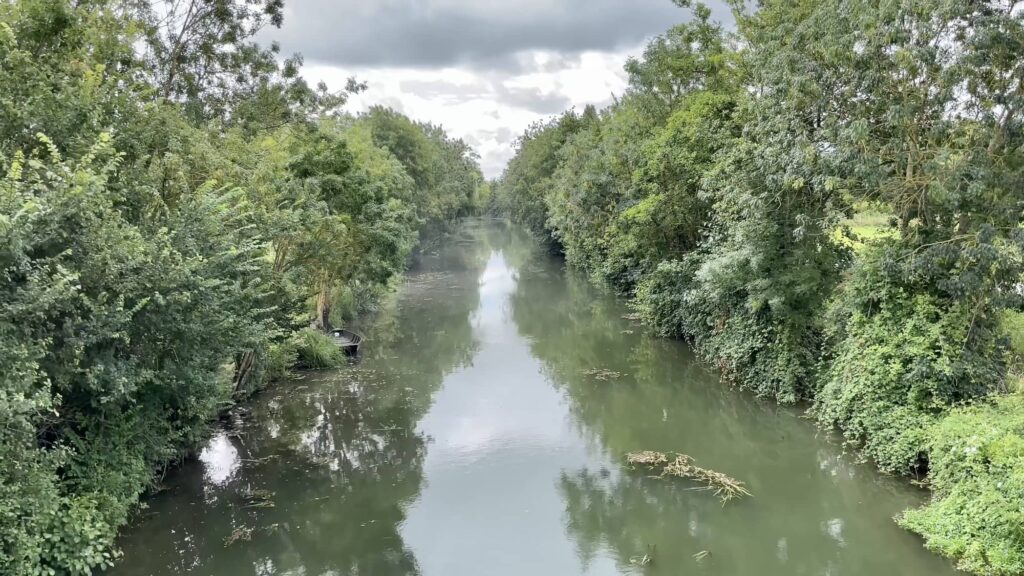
[
  {"x": 682, "y": 466},
  {"x": 602, "y": 374}
]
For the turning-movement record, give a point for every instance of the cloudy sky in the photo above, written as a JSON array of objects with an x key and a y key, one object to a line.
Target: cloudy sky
[{"x": 484, "y": 69}]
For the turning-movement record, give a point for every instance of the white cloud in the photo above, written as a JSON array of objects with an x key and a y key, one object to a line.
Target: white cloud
[{"x": 487, "y": 109}]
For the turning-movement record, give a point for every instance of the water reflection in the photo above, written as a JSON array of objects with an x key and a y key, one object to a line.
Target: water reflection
[
  {"x": 314, "y": 477},
  {"x": 484, "y": 433},
  {"x": 813, "y": 511},
  {"x": 500, "y": 438},
  {"x": 323, "y": 495},
  {"x": 220, "y": 459}
]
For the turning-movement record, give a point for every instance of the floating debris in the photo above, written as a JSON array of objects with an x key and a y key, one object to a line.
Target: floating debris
[
  {"x": 262, "y": 460},
  {"x": 632, "y": 317},
  {"x": 240, "y": 533},
  {"x": 701, "y": 555},
  {"x": 682, "y": 466},
  {"x": 627, "y": 332},
  {"x": 257, "y": 498},
  {"x": 602, "y": 374},
  {"x": 641, "y": 560},
  {"x": 644, "y": 560},
  {"x": 648, "y": 458}
]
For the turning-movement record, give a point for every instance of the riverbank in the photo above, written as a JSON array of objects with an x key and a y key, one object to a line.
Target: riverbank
[
  {"x": 814, "y": 201},
  {"x": 160, "y": 245}
]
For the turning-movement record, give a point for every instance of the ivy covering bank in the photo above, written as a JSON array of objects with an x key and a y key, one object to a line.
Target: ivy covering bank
[
  {"x": 827, "y": 201},
  {"x": 176, "y": 204}
]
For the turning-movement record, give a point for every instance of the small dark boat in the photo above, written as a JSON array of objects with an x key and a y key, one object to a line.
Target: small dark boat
[{"x": 347, "y": 340}]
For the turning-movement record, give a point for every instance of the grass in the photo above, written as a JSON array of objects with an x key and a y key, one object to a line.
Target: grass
[
  {"x": 868, "y": 223},
  {"x": 316, "y": 350}
]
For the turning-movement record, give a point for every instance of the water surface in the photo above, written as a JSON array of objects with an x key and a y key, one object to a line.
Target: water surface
[{"x": 484, "y": 431}]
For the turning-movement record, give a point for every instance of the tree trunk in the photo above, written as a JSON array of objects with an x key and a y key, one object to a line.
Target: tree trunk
[
  {"x": 323, "y": 307},
  {"x": 244, "y": 363}
]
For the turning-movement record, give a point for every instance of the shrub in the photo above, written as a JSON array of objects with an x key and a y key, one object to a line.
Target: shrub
[
  {"x": 903, "y": 353},
  {"x": 977, "y": 473},
  {"x": 316, "y": 350},
  {"x": 661, "y": 299},
  {"x": 281, "y": 358}
]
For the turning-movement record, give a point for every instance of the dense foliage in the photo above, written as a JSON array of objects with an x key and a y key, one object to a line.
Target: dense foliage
[
  {"x": 977, "y": 472},
  {"x": 175, "y": 205},
  {"x": 722, "y": 192}
]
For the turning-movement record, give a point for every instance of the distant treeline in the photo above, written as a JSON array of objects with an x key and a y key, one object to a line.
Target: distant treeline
[
  {"x": 177, "y": 206},
  {"x": 827, "y": 201}
]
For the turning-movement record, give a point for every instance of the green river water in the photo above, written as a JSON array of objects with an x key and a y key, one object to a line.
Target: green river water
[{"x": 474, "y": 437}]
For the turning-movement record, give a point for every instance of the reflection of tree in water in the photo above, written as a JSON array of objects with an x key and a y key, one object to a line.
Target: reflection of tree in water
[
  {"x": 575, "y": 328},
  {"x": 632, "y": 515},
  {"x": 318, "y": 480},
  {"x": 659, "y": 397},
  {"x": 317, "y": 476},
  {"x": 425, "y": 332}
]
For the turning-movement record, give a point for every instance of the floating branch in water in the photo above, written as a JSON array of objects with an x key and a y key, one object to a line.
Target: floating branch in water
[
  {"x": 602, "y": 374},
  {"x": 682, "y": 466},
  {"x": 644, "y": 560},
  {"x": 257, "y": 498},
  {"x": 641, "y": 560},
  {"x": 648, "y": 458},
  {"x": 240, "y": 533}
]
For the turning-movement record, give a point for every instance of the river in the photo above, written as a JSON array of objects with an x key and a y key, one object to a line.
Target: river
[{"x": 484, "y": 431}]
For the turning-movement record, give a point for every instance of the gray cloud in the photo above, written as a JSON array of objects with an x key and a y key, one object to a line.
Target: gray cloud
[
  {"x": 394, "y": 103},
  {"x": 502, "y": 135},
  {"x": 532, "y": 99},
  {"x": 444, "y": 89},
  {"x": 493, "y": 163},
  {"x": 509, "y": 56},
  {"x": 559, "y": 62},
  {"x": 483, "y": 34}
]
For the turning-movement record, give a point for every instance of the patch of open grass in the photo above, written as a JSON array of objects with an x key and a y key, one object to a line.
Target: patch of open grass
[{"x": 868, "y": 223}]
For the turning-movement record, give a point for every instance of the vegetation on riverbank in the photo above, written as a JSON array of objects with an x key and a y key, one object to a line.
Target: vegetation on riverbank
[
  {"x": 176, "y": 203},
  {"x": 827, "y": 203}
]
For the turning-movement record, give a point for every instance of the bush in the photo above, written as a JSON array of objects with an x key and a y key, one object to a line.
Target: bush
[
  {"x": 977, "y": 474},
  {"x": 100, "y": 384},
  {"x": 281, "y": 359},
  {"x": 903, "y": 353},
  {"x": 1012, "y": 323},
  {"x": 661, "y": 299}
]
